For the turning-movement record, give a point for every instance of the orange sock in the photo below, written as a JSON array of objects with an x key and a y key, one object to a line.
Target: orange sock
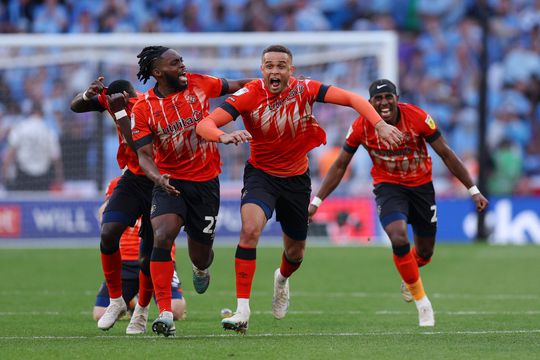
[
  {"x": 245, "y": 270},
  {"x": 287, "y": 267},
  {"x": 408, "y": 269},
  {"x": 146, "y": 288},
  {"x": 419, "y": 260},
  {"x": 417, "y": 289},
  {"x": 162, "y": 274},
  {"x": 112, "y": 269}
]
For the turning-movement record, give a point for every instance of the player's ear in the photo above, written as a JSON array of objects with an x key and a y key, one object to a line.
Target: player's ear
[{"x": 293, "y": 68}]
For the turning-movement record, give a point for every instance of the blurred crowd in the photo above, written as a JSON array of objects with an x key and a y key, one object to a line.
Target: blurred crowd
[{"x": 439, "y": 51}]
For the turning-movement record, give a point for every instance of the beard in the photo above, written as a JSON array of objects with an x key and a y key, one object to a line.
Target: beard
[{"x": 174, "y": 82}]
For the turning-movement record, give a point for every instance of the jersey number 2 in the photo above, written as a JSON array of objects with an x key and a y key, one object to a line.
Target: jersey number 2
[
  {"x": 211, "y": 225},
  {"x": 434, "y": 218}
]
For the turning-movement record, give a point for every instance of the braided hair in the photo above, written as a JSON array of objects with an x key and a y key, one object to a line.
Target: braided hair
[{"x": 146, "y": 61}]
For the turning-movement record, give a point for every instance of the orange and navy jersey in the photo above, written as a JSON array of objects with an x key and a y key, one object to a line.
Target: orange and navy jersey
[
  {"x": 408, "y": 164},
  {"x": 169, "y": 124},
  {"x": 130, "y": 240},
  {"x": 283, "y": 127},
  {"x": 125, "y": 156}
]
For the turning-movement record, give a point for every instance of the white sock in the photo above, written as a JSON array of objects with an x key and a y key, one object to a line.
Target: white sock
[
  {"x": 422, "y": 302},
  {"x": 243, "y": 306},
  {"x": 118, "y": 300},
  {"x": 280, "y": 278}
]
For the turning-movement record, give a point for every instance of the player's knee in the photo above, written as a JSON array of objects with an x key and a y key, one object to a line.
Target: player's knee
[
  {"x": 163, "y": 239},
  {"x": 249, "y": 235},
  {"x": 424, "y": 253},
  {"x": 295, "y": 254},
  {"x": 110, "y": 235},
  {"x": 398, "y": 237},
  {"x": 179, "y": 308}
]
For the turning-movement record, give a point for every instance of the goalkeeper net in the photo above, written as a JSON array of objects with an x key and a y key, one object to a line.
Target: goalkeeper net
[{"x": 46, "y": 71}]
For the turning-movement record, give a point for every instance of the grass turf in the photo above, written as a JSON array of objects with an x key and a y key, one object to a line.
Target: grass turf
[{"x": 345, "y": 304}]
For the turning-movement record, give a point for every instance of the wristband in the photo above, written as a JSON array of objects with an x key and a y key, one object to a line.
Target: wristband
[
  {"x": 473, "y": 190},
  {"x": 316, "y": 201},
  {"x": 120, "y": 114},
  {"x": 85, "y": 97}
]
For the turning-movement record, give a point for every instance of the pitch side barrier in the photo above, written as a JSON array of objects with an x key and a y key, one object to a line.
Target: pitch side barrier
[{"x": 339, "y": 221}]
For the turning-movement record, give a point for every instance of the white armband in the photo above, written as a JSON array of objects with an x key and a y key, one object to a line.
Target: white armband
[
  {"x": 473, "y": 190},
  {"x": 120, "y": 114},
  {"x": 316, "y": 201},
  {"x": 85, "y": 97}
]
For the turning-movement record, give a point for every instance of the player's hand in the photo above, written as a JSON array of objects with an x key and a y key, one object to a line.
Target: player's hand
[
  {"x": 312, "y": 209},
  {"x": 164, "y": 183},
  {"x": 96, "y": 87},
  {"x": 118, "y": 101},
  {"x": 390, "y": 135},
  {"x": 236, "y": 137},
  {"x": 480, "y": 201}
]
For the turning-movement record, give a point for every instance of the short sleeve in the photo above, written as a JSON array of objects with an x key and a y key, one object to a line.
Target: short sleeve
[
  {"x": 140, "y": 129},
  {"x": 353, "y": 140}
]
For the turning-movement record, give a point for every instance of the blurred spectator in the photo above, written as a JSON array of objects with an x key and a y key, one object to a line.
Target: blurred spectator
[
  {"x": 32, "y": 160},
  {"x": 439, "y": 47},
  {"x": 507, "y": 161}
]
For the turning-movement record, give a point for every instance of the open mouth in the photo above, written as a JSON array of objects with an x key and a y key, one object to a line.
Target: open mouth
[
  {"x": 183, "y": 78},
  {"x": 275, "y": 83},
  {"x": 386, "y": 113}
]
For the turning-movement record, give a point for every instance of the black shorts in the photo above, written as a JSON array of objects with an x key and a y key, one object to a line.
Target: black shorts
[
  {"x": 131, "y": 199},
  {"x": 289, "y": 196},
  {"x": 197, "y": 205},
  {"x": 130, "y": 285},
  {"x": 416, "y": 205}
]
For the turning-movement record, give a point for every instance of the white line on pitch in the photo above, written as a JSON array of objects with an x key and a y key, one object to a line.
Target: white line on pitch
[
  {"x": 315, "y": 312},
  {"x": 351, "y": 334}
]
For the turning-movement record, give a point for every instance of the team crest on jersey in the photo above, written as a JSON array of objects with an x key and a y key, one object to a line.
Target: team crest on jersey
[
  {"x": 190, "y": 99},
  {"x": 430, "y": 122}
]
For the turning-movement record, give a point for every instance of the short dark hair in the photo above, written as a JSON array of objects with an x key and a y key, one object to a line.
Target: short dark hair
[
  {"x": 382, "y": 86},
  {"x": 278, "y": 48},
  {"x": 119, "y": 86},
  {"x": 146, "y": 61}
]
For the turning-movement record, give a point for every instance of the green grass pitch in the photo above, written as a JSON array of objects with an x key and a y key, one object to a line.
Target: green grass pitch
[{"x": 345, "y": 304}]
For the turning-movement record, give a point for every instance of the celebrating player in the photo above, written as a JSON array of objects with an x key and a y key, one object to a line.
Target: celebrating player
[
  {"x": 403, "y": 184},
  {"x": 185, "y": 168},
  {"x": 281, "y": 129},
  {"x": 129, "y": 201},
  {"x": 129, "y": 249}
]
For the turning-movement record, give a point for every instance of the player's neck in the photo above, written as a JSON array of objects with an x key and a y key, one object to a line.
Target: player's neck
[{"x": 164, "y": 90}]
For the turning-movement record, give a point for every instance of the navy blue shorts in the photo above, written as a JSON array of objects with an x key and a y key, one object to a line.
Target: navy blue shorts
[
  {"x": 288, "y": 196},
  {"x": 197, "y": 205},
  {"x": 416, "y": 205}
]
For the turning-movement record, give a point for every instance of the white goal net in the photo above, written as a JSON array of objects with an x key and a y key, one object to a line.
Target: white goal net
[{"x": 46, "y": 71}]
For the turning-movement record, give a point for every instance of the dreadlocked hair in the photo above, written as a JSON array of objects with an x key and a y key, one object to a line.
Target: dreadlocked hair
[{"x": 146, "y": 60}]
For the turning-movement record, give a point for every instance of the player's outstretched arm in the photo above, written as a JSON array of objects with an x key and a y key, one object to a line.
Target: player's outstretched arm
[
  {"x": 458, "y": 169},
  {"x": 146, "y": 161},
  {"x": 331, "y": 181},
  {"x": 235, "y": 85},
  {"x": 208, "y": 129},
  {"x": 389, "y": 134},
  {"x": 83, "y": 102}
]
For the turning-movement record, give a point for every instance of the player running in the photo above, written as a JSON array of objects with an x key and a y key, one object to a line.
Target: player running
[
  {"x": 183, "y": 166},
  {"x": 130, "y": 199},
  {"x": 403, "y": 184},
  {"x": 281, "y": 129}
]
